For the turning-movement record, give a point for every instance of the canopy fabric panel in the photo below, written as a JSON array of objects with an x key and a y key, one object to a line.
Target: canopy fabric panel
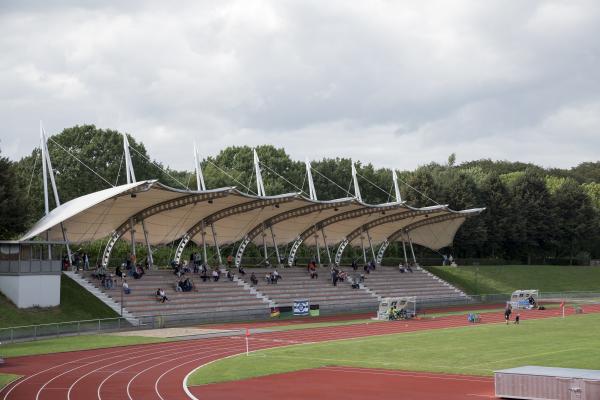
[
  {"x": 437, "y": 235},
  {"x": 168, "y": 214},
  {"x": 287, "y": 231},
  {"x": 233, "y": 228},
  {"x": 97, "y": 215}
]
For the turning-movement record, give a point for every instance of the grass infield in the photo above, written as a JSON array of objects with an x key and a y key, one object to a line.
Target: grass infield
[
  {"x": 5, "y": 379},
  {"x": 474, "y": 350},
  {"x": 72, "y": 343}
]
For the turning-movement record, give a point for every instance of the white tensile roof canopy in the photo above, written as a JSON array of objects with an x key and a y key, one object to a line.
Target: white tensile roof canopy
[
  {"x": 155, "y": 214},
  {"x": 162, "y": 215}
]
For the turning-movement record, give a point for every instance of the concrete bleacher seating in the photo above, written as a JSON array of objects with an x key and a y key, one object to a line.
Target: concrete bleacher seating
[
  {"x": 225, "y": 300},
  {"x": 389, "y": 282},
  {"x": 216, "y": 301},
  {"x": 296, "y": 284}
]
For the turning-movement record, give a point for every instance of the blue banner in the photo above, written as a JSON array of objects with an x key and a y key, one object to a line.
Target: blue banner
[{"x": 301, "y": 307}]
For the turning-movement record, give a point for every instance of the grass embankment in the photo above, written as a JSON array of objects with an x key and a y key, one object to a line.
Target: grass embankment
[
  {"x": 73, "y": 343},
  {"x": 75, "y": 304},
  {"x": 478, "y": 350},
  {"x": 5, "y": 379},
  {"x": 508, "y": 278}
]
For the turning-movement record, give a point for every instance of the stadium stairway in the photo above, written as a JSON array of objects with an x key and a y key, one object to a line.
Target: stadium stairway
[
  {"x": 103, "y": 297},
  {"x": 207, "y": 302}
]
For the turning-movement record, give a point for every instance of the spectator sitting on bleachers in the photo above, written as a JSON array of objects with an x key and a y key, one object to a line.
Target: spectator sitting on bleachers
[
  {"x": 312, "y": 270},
  {"x": 402, "y": 268},
  {"x": 119, "y": 272},
  {"x": 241, "y": 270},
  {"x": 178, "y": 287},
  {"x": 161, "y": 295},
  {"x": 186, "y": 268},
  {"x": 409, "y": 268},
  {"x": 187, "y": 285},
  {"x": 98, "y": 272},
  {"x": 126, "y": 289},
  {"x": 177, "y": 270},
  {"x": 215, "y": 275},
  {"x": 138, "y": 273},
  {"x": 342, "y": 276},
  {"x": 229, "y": 275},
  {"x": 268, "y": 278},
  {"x": 253, "y": 279},
  {"x": 276, "y": 277}
]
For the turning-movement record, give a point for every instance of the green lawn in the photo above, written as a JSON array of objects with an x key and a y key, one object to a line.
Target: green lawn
[
  {"x": 507, "y": 278},
  {"x": 84, "y": 342},
  {"x": 477, "y": 350},
  {"x": 75, "y": 304},
  {"x": 5, "y": 379}
]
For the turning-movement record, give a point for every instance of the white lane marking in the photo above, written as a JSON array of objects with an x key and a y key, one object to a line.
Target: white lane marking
[{"x": 19, "y": 382}]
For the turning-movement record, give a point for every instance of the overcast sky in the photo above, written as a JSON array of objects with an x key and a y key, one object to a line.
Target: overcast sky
[{"x": 395, "y": 83}]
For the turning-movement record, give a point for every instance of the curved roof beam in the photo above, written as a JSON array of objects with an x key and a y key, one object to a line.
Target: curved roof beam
[
  {"x": 284, "y": 216},
  {"x": 156, "y": 209},
  {"x": 384, "y": 220},
  {"x": 227, "y": 212},
  {"x": 430, "y": 221}
]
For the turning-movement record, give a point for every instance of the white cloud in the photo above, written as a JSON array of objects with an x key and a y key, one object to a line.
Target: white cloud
[{"x": 392, "y": 83}]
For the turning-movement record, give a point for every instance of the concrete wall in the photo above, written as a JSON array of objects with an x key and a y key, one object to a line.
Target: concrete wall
[{"x": 31, "y": 290}]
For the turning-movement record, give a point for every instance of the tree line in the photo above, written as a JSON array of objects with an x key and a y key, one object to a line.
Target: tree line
[{"x": 532, "y": 213}]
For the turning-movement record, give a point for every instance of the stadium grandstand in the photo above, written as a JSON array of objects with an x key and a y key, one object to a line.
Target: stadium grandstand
[{"x": 151, "y": 214}]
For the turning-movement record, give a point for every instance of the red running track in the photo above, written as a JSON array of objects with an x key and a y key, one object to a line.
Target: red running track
[
  {"x": 157, "y": 371},
  {"x": 353, "y": 384}
]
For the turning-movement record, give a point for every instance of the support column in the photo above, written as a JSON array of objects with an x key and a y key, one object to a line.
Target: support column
[
  {"x": 132, "y": 230},
  {"x": 318, "y": 252},
  {"x": 204, "y": 252},
  {"x": 47, "y": 170},
  {"x": 212, "y": 228},
  {"x": 404, "y": 250},
  {"x": 371, "y": 246},
  {"x": 326, "y": 245},
  {"x": 150, "y": 258},
  {"x": 411, "y": 248},
  {"x": 264, "y": 236},
  {"x": 275, "y": 245},
  {"x": 362, "y": 245}
]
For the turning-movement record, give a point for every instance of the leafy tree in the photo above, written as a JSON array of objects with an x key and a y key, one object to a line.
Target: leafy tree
[
  {"x": 13, "y": 201},
  {"x": 102, "y": 152},
  {"x": 576, "y": 220},
  {"x": 592, "y": 189},
  {"x": 532, "y": 216}
]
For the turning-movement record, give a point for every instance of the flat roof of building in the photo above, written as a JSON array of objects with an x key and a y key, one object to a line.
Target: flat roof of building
[{"x": 590, "y": 374}]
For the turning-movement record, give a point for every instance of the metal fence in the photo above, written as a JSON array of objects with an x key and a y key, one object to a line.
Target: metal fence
[{"x": 58, "y": 329}]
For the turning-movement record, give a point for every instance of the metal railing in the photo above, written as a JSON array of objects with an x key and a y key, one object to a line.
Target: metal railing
[{"x": 58, "y": 329}]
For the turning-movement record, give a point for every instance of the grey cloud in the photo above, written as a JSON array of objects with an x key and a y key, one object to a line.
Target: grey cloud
[{"x": 386, "y": 82}]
